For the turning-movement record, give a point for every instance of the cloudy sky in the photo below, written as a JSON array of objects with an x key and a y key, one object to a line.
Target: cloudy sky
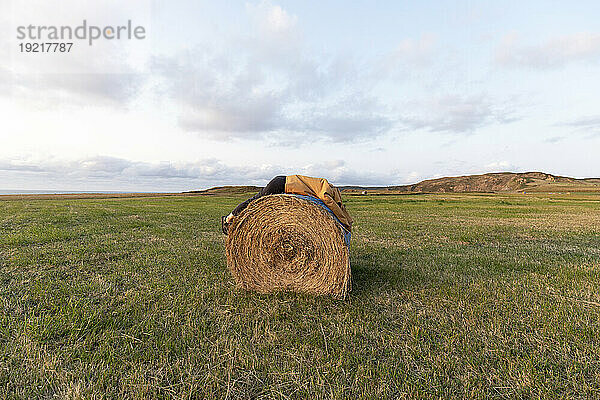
[{"x": 359, "y": 92}]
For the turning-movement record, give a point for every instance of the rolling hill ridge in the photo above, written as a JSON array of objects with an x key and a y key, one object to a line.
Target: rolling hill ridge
[
  {"x": 483, "y": 183},
  {"x": 502, "y": 182}
]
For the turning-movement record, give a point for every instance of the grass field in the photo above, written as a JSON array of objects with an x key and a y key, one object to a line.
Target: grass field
[{"x": 454, "y": 296}]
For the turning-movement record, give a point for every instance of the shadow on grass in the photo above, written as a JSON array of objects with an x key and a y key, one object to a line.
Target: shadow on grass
[{"x": 374, "y": 272}]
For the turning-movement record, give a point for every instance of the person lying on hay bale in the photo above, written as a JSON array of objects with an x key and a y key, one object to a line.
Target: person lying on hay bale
[{"x": 301, "y": 185}]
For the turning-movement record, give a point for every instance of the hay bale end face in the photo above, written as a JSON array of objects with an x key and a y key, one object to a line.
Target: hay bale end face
[{"x": 284, "y": 243}]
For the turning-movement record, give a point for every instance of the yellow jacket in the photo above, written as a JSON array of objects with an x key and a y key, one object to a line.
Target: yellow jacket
[{"x": 321, "y": 189}]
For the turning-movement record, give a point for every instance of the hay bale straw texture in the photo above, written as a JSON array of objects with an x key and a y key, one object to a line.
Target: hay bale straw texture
[{"x": 285, "y": 243}]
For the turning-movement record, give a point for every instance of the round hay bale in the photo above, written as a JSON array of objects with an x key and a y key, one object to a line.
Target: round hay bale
[{"x": 285, "y": 243}]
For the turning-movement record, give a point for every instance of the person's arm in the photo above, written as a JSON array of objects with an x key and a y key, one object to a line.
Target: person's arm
[
  {"x": 242, "y": 206},
  {"x": 275, "y": 186}
]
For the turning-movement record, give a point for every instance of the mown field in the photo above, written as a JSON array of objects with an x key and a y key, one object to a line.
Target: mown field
[{"x": 454, "y": 296}]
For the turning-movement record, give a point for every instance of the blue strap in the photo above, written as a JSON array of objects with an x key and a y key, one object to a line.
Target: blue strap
[{"x": 319, "y": 202}]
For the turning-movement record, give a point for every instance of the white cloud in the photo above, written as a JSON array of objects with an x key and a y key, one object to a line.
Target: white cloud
[
  {"x": 268, "y": 86},
  {"x": 554, "y": 139},
  {"x": 589, "y": 125},
  {"x": 456, "y": 114},
  {"x": 264, "y": 85},
  {"x": 50, "y": 90},
  {"x": 417, "y": 52},
  {"x": 111, "y": 72},
  {"x": 410, "y": 58},
  {"x": 112, "y": 173},
  {"x": 592, "y": 122},
  {"x": 272, "y": 18},
  {"x": 555, "y": 52},
  {"x": 500, "y": 166}
]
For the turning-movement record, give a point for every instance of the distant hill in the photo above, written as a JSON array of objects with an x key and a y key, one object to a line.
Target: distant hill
[
  {"x": 223, "y": 190},
  {"x": 484, "y": 183},
  {"x": 502, "y": 182}
]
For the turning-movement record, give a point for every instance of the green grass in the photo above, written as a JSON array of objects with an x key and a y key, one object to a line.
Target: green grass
[{"x": 454, "y": 296}]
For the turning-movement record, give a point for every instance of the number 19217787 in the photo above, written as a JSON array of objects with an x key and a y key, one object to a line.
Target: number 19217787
[{"x": 45, "y": 47}]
